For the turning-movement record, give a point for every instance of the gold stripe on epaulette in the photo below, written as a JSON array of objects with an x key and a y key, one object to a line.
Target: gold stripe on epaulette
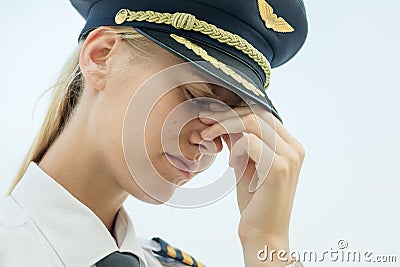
[
  {"x": 217, "y": 64},
  {"x": 186, "y": 258},
  {"x": 189, "y": 22},
  {"x": 171, "y": 251}
]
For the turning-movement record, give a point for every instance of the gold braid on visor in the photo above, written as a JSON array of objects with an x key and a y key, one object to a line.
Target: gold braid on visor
[
  {"x": 217, "y": 64},
  {"x": 189, "y": 22}
]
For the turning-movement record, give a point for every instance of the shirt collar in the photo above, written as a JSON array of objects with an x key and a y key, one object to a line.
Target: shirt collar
[{"x": 77, "y": 235}]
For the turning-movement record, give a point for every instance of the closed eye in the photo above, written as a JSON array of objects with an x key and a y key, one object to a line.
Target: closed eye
[
  {"x": 198, "y": 100},
  {"x": 206, "y": 94}
]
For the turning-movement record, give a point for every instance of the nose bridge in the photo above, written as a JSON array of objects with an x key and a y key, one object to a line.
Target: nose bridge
[
  {"x": 189, "y": 138},
  {"x": 189, "y": 114},
  {"x": 183, "y": 125}
]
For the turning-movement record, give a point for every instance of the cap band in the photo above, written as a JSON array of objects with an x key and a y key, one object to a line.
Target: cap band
[
  {"x": 218, "y": 64},
  {"x": 189, "y": 22}
]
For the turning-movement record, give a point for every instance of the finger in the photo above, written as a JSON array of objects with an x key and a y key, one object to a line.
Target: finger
[
  {"x": 244, "y": 175},
  {"x": 231, "y": 139},
  {"x": 218, "y": 144},
  {"x": 262, "y": 155},
  {"x": 252, "y": 122},
  {"x": 218, "y": 106},
  {"x": 206, "y": 147},
  {"x": 253, "y": 109},
  {"x": 230, "y": 125},
  {"x": 210, "y": 117},
  {"x": 281, "y": 130},
  {"x": 249, "y": 124}
]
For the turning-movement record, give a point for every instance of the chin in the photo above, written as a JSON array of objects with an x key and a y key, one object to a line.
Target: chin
[
  {"x": 154, "y": 194},
  {"x": 153, "y": 198}
]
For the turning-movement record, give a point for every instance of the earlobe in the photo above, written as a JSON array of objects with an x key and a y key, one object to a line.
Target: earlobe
[{"x": 96, "y": 51}]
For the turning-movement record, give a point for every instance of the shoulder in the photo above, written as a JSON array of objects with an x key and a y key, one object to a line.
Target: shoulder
[
  {"x": 11, "y": 214},
  {"x": 16, "y": 227},
  {"x": 156, "y": 249},
  {"x": 12, "y": 221},
  {"x": 18, "y": 235}
]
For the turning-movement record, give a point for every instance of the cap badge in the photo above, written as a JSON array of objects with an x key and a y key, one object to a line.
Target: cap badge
[
  {"x": 121, "y": 16},
  {"x": 272, "y": 21}
]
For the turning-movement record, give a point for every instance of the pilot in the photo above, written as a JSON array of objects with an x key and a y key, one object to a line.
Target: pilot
[{"x": 65, "y": 207}]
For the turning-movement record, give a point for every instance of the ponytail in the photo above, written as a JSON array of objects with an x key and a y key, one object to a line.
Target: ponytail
[{"x": 66, "y": 94}]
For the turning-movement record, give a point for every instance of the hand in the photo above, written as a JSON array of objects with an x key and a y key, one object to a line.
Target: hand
[{"x": 267, "y": 162}]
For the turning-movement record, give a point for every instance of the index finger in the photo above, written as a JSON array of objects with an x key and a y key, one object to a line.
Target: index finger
[
  {"x": 262, "y": 113},
  {"x": 277, "y": 124}
]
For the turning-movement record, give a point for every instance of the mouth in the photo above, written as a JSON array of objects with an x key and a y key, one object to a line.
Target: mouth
[{"x": 185, "y": 166}]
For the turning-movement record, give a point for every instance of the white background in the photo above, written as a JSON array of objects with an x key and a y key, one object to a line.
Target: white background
[{"x": 339, "y": 96}]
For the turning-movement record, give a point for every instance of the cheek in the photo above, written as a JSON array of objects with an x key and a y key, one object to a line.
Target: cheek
[
  {"x": 109, "y": 109},
  {"x": 177, "y": 126},
  {"x": 111, "y": 143},
  {"x": 126, "y": 157}
]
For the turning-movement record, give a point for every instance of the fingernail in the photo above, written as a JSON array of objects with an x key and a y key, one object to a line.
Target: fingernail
[
  {"x": 205, "y": 113},
  {"x": 217, "y": 106},
  {"x": 204, "y": 133}
]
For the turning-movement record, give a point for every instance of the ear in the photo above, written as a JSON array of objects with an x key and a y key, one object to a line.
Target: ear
[{"x": 96, "y": 50}]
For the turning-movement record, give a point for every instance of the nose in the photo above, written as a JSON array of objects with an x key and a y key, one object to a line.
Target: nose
[{"x": 205, "y": 147}]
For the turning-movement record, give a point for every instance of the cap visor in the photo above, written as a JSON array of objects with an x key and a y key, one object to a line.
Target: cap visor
[{"x": 166, "y": 41}]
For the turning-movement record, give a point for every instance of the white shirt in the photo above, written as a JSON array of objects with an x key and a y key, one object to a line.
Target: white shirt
[{"x": 42, "y": 224}]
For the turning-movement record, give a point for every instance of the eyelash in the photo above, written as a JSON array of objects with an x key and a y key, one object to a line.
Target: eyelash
[
  {"x": 203, "y": 101},
  {"x": 190, "y": 96}
]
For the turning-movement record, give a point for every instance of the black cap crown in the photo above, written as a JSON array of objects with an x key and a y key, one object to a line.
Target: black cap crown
[{"x": 242, "y": 40}]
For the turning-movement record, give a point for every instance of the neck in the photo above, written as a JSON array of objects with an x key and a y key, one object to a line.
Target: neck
[{"x": 72, "y": 162}]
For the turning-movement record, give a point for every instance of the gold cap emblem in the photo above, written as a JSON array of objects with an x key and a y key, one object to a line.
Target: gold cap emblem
[
  {"x": 121, "y": 16},
  {"x": 272, "y": 21}
]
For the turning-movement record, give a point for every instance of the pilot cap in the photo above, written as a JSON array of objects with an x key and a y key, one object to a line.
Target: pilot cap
[{"x": 240, "y": 40}]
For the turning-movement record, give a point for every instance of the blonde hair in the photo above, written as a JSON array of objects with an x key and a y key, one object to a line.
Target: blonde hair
[{"x": 66, "y": 94}]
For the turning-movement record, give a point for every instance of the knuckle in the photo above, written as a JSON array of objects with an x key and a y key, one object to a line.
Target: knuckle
[
  {"x": 250, "y": 118},
  {"x": 295, "y": 157},
  {"x": 298, "y": 147},
  {"x": 292, "y": 157},
  {"x": 297, "y": 152},
  {"x": 253, "y": 139},
  {"x": 301, "y": 152},
  {"x": 281, "y": 168}
]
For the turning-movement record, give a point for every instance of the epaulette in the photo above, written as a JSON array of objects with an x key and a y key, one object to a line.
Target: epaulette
[{"x": 167, "y": 253}]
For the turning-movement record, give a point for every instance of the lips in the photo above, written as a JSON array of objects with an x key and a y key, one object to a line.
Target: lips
[{"x": 183, "y": 163}]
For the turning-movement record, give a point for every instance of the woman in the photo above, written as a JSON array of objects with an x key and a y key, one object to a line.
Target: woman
[{"x": 80, "y": 167}]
